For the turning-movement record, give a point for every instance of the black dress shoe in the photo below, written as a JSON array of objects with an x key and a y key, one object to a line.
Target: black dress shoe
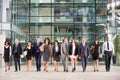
[
  {"x": 84, "y": 70},
  {"x": 66, "y": 70},
  {"x": 73, "y": 69},
  {"x": 107, "y": 70},
  {"x": 15, "y": 71},
  {"x": 97, "y": 70},
  {"x": 39, "y": 69}
]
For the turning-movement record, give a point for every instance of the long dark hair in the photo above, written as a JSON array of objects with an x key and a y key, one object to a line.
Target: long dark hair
[
  {"x": 47, "y": 39},
  {"x": 95, "y": 42}
]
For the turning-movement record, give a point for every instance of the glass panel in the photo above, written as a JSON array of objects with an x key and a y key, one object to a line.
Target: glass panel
[
  {"x": 45, "y": 11},
  {"x": 62, "y": 0},
  {"x": 63, "y": 11},
  {"x": 45, "y": 1},
  {"x": 40, "y": 19},
  {"x": 84, "y": 14},
  {"x": 84, "y": 1},
  {"x": 40, "y": 30},
  {"x": 101, "y": 12},
  {"x": 103, "y": 1},
  {"x": 0, "y": 10}
]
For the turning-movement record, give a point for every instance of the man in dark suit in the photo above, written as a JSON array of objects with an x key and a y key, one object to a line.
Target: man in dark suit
[
  {"x": 16, "y": 52},
  {"x": 83, "y": 51},
  {"x": 38, "y": 53}
]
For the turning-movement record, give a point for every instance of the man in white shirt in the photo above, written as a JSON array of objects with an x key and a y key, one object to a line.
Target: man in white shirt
[{"x": 108, "y": 51}]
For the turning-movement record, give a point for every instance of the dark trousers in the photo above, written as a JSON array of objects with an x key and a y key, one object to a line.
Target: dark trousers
[
  {"x": 108, "y": 55},
  {"x": 84, "y": 62},
  {"x": 17, "y": 62},
  {"x": 38, "y": 60}
]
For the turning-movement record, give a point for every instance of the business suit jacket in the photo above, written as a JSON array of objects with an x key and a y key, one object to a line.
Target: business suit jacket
[
  {"x": 56, "y": 55},
  {"x": 19, "y": 50},
  {"x": 83, "y": 50},
  {"x": 64, "y": 48},
  {"x": 36, "y": 47},
  {"x": 71, "y": 48}
]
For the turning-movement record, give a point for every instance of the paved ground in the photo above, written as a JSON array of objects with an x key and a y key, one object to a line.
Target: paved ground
[{"x": 114, "y": 74}]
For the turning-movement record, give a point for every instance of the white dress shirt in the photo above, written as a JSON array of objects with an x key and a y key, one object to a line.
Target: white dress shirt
[
  {"x": 56, "y": 48},
  {"x": 105, "y": 48}
]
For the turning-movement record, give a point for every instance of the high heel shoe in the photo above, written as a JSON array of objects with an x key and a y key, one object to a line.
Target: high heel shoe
[
  {"x": 9, "y": 68},
  {"x": 6, "y": 70}
]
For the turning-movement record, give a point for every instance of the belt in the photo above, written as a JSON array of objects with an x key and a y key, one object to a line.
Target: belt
[{"x": 108, "y": 51}]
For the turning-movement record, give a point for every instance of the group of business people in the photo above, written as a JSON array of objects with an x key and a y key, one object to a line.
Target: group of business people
[{"x": 66, "y": 50}]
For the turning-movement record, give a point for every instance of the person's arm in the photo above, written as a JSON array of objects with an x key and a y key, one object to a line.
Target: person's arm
[
  {"x": 50, "y": 50},
  {"x": 25, "y": 48},
  {"x": 103, "y": 47},
  {"x": 79, "y": 50},
  {"x": 62, "y": 50},
  {"x": 88, "y": 50},
  {"x": 99, "y": 49},
  {"x": 42, "y": 47},
  {"x": 70, "y": 47},
  {"x": 20, "y": 49},
  {"x": 13, "y": 49},
  {"x": 10, "y": 51}
]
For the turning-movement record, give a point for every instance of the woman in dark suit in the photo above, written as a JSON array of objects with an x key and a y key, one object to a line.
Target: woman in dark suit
[
  {"x": 7, "y": 56},
  {"x": 29, "y": 55},
  {"x": 73, "y": 53},
  {"x": 95, "y": 49},
  {"x": 56, "y": 54}
]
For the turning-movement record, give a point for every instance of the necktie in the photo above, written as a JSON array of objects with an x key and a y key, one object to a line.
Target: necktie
[{"x": 108, "y": 45}]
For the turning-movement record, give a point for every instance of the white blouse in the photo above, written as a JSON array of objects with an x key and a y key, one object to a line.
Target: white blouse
[
  {"x": 56, "y": 49},
  {"x": 73, "y": 49}
]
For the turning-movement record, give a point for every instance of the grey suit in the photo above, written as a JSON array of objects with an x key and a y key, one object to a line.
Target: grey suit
[
  {"x": 64, "y": 53},
  {"x": 83, "y": 52}
]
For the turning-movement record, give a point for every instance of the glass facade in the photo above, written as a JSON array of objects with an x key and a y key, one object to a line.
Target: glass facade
[
  {"x": 0, "y": 10},
  {"x": 57, "y": 19},
  {"x": 114, "y": 16},
  {"x": 0, "y": 16}
]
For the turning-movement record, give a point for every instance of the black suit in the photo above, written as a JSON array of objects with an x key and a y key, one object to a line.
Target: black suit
[
  {"x": 71, "y": 48},
  {"x": 56, "y": 54},
  {"x": 38, "y": 55},
  {"x": 83, "y": 52},
  {"x": 16, "y": 52}
]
